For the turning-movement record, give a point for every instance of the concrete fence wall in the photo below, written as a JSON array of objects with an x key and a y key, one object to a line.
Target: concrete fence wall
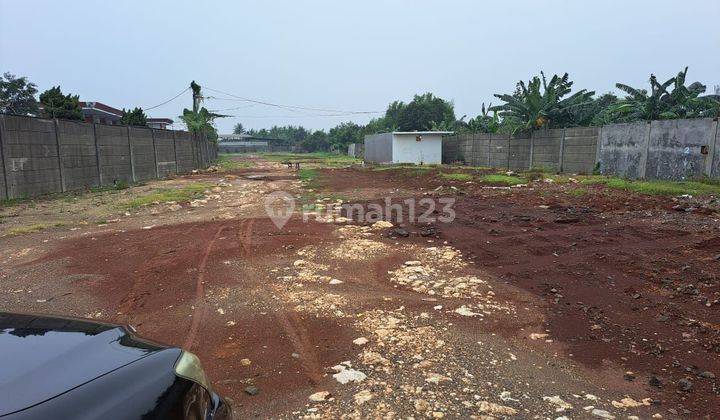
[
  {"x": 668, "y": 149},
  {"x": 378, "y": 148},
  {"x": 40, "y": 156}
]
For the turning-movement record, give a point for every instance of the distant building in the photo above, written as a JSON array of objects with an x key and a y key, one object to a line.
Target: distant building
[
  {"x": 159, "y": 123},
  {"x": 246, "y": 143},
  {"x": 405, "y": 147},
  {"x": 98, "y": 112}
]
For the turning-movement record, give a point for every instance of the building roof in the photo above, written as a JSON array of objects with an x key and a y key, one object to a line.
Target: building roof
[
  {"x": 160, "y": 120},
  {"x": 415, "y": 133}
]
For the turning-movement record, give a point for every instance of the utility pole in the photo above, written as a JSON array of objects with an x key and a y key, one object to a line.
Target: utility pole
[{"x": 197, "y": 97}]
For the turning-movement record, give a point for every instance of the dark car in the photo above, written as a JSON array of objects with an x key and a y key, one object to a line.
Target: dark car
[{"x": 65, "y": 368}]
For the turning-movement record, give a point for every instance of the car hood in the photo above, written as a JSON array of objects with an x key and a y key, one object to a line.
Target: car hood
[{"x": 43, "y": 357}]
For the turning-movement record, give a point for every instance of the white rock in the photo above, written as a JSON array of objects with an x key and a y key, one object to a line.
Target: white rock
[
  {"x": 602, "y": 414},
  {"x": 465, "y": 311},
  {"x": 361, "y": 341},
  {"x": 336, "y": 281},
  {"x": 349, "y": 375},
  {"x": 319, "y": 396},
  {"x": 363, "y": 397},
  {"x": 556, "y": 400}
]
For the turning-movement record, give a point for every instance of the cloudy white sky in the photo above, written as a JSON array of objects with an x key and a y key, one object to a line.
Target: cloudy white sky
[{"x": 349, "y": 56}]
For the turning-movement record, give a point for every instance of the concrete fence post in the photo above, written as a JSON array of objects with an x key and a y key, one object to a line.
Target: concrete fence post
[
  {"x": 56, "y": 126},
  {"x": 97, "y": 154},
  {"x": 712, "y": 148},
  {"x": 532, "y": 149},
  {"x": 644, "y": 153},
  {"x": 489, "y": 149},
  {"x": 6, "y": 189},
  {"x": 132, "y": 158},
  {"x": 157, "y": 170},
  {"x": 561, "y": 156},
  {"x": 177, "y": 166},
  {"x": 507, "y": 152},
  {"x": 598, "y": 147}
]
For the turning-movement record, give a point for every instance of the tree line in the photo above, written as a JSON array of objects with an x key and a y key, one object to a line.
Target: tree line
[{"x": 533, "y": 105}]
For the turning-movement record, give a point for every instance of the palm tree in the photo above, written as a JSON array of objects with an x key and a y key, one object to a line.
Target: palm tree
[{"x": 541, "y": 104}]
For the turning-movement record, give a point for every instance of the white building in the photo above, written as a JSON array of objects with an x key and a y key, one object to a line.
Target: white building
[{"x": 419, "y": 147}]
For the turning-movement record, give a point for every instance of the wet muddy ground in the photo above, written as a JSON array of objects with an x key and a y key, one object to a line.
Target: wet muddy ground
[{"x": 534, "y": 302}]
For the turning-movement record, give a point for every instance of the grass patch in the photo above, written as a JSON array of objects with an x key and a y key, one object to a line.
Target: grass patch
[
  {"x": 165, "y": 195},
  {"x": 307, "y": 174},
  {"x": 503, "y": 179},
  {"x": 578, "y": 192},
  {"x": 36, "y": 227},
  {"x": 701, "y": 187},
  {"x": 227, "y": 163},
  {"x": 319, "y": 158},
  {"x": 457, "y": 176}
]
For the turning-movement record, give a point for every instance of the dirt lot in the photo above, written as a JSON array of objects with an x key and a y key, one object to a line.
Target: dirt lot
[{"x": 545, "y": 300}]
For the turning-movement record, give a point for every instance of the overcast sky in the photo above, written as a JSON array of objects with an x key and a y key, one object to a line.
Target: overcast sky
[{"x": 349, "y": 56}]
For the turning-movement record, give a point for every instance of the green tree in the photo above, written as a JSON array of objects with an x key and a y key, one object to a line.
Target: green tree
[
  {"x": 345, "y": 133},
  {"x": 135, "y": 117},
  {"x": 17, "y": 95},
  {"x": 424, "y": 112},
  {"x": 238, "y": 129},
  {"x": 57, "y": 105},
  {"x": 541, "y": 104},
  {"x": 317, "y": 141}
]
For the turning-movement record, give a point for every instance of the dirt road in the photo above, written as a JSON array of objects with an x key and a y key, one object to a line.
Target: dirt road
[{"x": 532, "y": 303}]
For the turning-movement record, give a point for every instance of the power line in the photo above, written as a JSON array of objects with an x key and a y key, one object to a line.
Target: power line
[
  {"x": 289, "y": 107},
  {"x": 169, "y": 100}
]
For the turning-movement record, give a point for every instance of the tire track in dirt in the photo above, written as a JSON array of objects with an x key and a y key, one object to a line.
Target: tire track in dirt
[
  {"x": 128, "y": 304},
  {"x": 288, "y": 320},
  {"x": 201, "y": 311}
]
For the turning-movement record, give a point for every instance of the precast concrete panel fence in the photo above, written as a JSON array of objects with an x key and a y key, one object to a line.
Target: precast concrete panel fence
[
  {"x": 41, "y": 156},
  {"x": 667, "y": 149}
]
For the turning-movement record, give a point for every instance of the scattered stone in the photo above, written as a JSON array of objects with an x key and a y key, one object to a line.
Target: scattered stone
[
  {"x": 707, "y": 375},
  {"x": 685, "y": 385},
  {"x": 349, "y": 375},
  {"x": 655, "y": 381},
  {"x": 465, "y": 311},
  {"x": 559, "y": 402},
  {"x": 363, "y": 397},
  {"x": 421, "y": 405},
  {"x": 628, "y": 402},
  {"x": 175, "y": 207},
  {"x": 538, "y": 336},
  {"x": 381, "y": 224},
  {"x": 252, "y": 390},
  {"x": 230, "y": 323},
  {"x": 299, "y": 263},
  {"x": 319, "y": 396},
  {"x": 398, "y": 231},
  {"x": 436, "y": 378},
  {"x": 360, "y": 341},
  {"x": 336, "y": 281},
  {"x": 492, "y": 408},
  {"x": 412, "y": 263},
  {"x": 601, "y": 414},
  {"x": 245, "y": 362}
]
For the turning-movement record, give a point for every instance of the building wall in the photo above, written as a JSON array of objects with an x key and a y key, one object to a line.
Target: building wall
[
  {"x": 379, "y": 148},
  {"x": 406, "y": 149},
  {"x": 39, "y": 156}
]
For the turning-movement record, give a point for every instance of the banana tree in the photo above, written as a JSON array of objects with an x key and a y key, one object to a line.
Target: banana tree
[
  {"x": 541, "y": 103},
  {"x": 200, "y": 122},
  {"x": 659, "y": 103}
]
